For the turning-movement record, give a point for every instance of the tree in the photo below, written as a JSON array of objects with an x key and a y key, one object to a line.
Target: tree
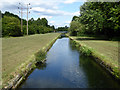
[
  {"x": 62, "y": 28},
  {"x": 10, "y": 15},
  {"x": 74, "y": 28},
  {"x": 99, "y": 18},
  {"x": 75, "y": 18},
  {"x": 44, "y": 22},
  {"x": 11, "y": 26}
]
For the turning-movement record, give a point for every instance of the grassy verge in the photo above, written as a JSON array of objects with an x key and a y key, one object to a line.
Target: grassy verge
[
  {"x": 104, "y": 51},
  {"x": 18, "y": 52}
]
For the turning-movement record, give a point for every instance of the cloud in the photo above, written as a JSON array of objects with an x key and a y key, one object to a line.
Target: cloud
[
  {"x": 50, "y": 12},
  {"x": 43, "y": 16},
  {"x": 52, "y": 22},
  {"x": 46, "y": 9},
  {"x": 73, "y": 1},
  {"x": 76, "y": 13},
  {"x": 69, "y": 1},
  {"x": 67, "y": 22},
  {"x": 50, "y": 9}
]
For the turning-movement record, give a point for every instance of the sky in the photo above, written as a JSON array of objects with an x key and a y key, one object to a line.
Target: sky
[{"x": 58, "y": 12}]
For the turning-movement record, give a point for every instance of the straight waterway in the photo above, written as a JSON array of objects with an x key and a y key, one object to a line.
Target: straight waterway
[{"x": 67, "y": 68}]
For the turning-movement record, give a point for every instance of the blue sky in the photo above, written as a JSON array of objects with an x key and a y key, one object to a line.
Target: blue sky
[{"x": 58, "y": 13}]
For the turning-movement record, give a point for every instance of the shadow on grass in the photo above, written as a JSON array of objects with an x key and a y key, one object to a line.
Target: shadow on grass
[
  {"x": 98, "y": 38},
  {"x": 91, "y": 38}
]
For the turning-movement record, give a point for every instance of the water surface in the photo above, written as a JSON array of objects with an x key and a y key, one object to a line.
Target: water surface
[{"x": 67, "y": 68}]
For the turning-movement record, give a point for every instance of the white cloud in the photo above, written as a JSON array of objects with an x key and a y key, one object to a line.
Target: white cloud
[
  {"x": 69, "y": 1},
  {"x": 76, "y": 13},
  {"x": 48, "y": 17},
  {"x": 52, "y": 22},
  {"x": 50, "y": 12},
  {"x": 38, "y": 9},
  {"x": 41, "y": 8},
  {"x": 72, "y": 1},
  {"x": 67, "y": 22}
]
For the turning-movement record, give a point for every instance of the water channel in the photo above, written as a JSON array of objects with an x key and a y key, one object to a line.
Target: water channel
[{"x": 67, "y": 68}]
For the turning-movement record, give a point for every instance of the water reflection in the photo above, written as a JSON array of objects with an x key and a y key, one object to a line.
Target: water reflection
[
  {"x": 67, "y": 68},
  {"x": 72, "y": 44},
  {"x": 97, "y": 77},
  {"x": 41, "y": 66}
]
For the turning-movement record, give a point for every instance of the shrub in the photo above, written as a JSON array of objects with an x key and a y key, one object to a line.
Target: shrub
[
  {"x": 40, "y": 55},
  {"x": 11, "y": 26},
  {"x": 85, "y": 51}
]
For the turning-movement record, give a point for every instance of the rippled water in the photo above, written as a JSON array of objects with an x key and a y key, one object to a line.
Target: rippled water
[{"x": 66, "y": 68}]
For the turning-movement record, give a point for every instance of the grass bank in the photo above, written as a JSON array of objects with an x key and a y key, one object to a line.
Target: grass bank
[
  {"x": 105, "y": 52},
  {"x": 18, "y": 52}
]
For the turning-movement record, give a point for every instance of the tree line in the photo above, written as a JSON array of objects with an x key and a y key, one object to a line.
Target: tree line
[
  {"x": 97, "y": 18},
  {"x": 11, "y": 25},
  {"x": 62, "y": 28}
]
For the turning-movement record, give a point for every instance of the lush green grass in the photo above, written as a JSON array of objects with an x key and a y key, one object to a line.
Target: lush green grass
[
  {"x": 18, "y": 50},
  {"x": 105, "y": 50}
]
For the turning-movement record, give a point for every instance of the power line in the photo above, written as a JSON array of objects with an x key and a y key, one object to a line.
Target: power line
[{"x": 21, "y": 8}]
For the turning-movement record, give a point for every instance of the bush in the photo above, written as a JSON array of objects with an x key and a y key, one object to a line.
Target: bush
[
  {"x": 85, "y": 51},
  {"x": 40, "y": 55},
  {"x": 76, "y": 28},
  {"x": 11, "y": 26}
]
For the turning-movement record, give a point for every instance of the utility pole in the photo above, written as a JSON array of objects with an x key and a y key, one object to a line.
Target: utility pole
[
  {"x": 22, "y": 16},
  {"x": 27, "y": 19},
  {"x": 27, "y": 16},
  {"x": 21, "y": 21}
]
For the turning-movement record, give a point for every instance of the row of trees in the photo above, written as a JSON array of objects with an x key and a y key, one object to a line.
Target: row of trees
[
  {"x": 62, "y": 28},
  {"x": 11, "y": 26},
  {"x": 97, "y": 18},
  {"x": 38, "y": 26}
]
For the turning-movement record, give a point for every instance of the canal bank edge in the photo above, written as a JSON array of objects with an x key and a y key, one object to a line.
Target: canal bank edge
[
  {"x": 90, "y": 52},
  {"x": 26, "y": 68}
]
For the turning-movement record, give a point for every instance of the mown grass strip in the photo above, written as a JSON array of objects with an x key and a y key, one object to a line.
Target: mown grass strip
[
  {"x": 105, "y": 52},
  {"x": 19, "y": 52}
]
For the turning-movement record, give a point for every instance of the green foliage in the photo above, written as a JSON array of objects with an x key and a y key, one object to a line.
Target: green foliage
[
  {"x": 40, "y": 55},
  {"x": 10, "y": 15},
  {"x": 116, "y": 72},
  {"x": 11, "y": 26},
  {"x": 75, "y": 18},
  {"x": 39, "y": 26},
  {"x": 20, "y": 51},
  {"x": 84, "y": 50},
  {"x": 24, "y": 29},
  {"x": 62, "y": 28},
  {"x": 75, "y": 27},
  {"x": 98, "y": 18},
  {"x": 42, "y": 22}
]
